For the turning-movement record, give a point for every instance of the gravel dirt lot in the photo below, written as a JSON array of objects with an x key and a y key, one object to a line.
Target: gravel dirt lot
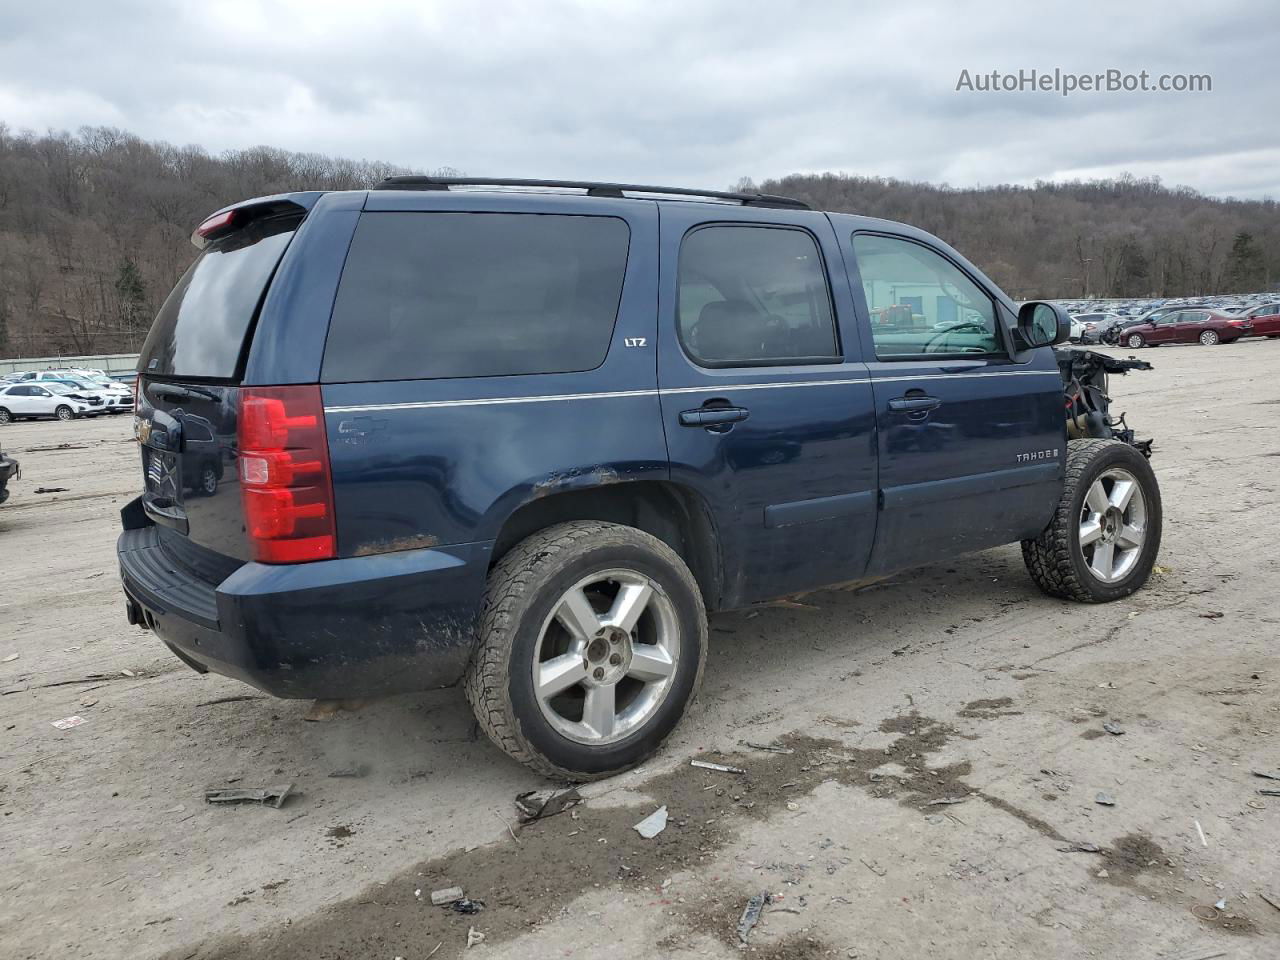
[{"x": 955, "y": 682}]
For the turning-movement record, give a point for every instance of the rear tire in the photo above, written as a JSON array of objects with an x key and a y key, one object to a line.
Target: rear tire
[
  {"x": 1105, "y": 534},
  {"x": 1136, "y": 341},
  {"x": 208, "y": 481},
  {"x": 64, "y": 413},
  {"x": 1210, "y": 338},
  {"x": 544, "y": 586},
  {"x": 6, "y": 417}
]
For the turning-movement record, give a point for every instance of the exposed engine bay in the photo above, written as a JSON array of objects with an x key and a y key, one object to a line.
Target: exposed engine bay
[{"x": 1084, "y": 378}]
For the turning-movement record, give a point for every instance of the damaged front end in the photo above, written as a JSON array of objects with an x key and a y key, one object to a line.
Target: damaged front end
[{"x": 1084, "y": 378}]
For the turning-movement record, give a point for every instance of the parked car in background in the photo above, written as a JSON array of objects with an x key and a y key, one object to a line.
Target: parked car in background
[
  {"x": 9, "y": 470},
  {"x": 1106, "y": 331},
  {"x": 119, "y": 396},
  {"x": 22, "y": 401},
  {"x": 1208, "y": 327},
  {"x": 102, "y": 400},
  {"x": 116, "y": 396},
  {"x": 1090, "y": 324},
  {"x": 1265, "y": 319}
]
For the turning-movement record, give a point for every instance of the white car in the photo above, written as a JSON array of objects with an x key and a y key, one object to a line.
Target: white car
[
  {"x": 34, "y": 400},
  {"x": 102, "y": 401},
  {"x": 121, "y": 393},
  {"x": 119, "y": 396}
]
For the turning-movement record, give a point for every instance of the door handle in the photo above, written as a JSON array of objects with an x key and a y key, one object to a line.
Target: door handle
[
  {"x": 917, "y": 407},
  {"x": 713, "y": 416},
  {"x": 914, "y": 404}
]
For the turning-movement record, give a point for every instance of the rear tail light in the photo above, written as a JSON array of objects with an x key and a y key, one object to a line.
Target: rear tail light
[{"x": 285, "y": 481}]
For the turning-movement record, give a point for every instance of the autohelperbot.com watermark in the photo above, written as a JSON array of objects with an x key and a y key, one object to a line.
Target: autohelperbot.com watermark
[{"x": 1065, "y": 83}]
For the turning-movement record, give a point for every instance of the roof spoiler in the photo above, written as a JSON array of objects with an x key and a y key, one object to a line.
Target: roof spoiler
[{"x": 240, "y": 215}]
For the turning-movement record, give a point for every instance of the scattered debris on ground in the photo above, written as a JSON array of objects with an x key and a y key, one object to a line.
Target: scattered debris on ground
[
  {"x": 539, "y": 804},
  {"x": 446, "y": 895},
  {"x": 751, "y": 915},
  {"x": 718, "y": 767},
  {"x": 66, "y": 723},
  {"x": 1081, "y": 848},
  {"x": 767, "y": 747},
  {"x": 273, "y": 796},
  {"x": 653, "y": 824}
]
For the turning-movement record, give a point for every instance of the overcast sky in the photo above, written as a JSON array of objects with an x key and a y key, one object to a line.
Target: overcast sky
[{"x": 694, "y": 93}]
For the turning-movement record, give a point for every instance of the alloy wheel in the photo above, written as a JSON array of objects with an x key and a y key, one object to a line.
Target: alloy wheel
[
  {"x": 606, "y": 657},
  {"x": 1113, "y": 525}
]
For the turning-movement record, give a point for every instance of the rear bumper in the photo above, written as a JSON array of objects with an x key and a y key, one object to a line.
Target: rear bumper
[{"x": 334, "y": 629}]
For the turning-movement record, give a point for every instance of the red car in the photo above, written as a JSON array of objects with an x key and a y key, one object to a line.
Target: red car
[
  {"x": 1265, "y": 318},
  {"x": 1188, "y": 326}
]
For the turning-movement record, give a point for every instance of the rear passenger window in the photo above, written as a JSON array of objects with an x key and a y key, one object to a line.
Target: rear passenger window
[
  {"x": 920, "y": 302},
  {"x": 429, "y": 295},
  {"x": 754, "y": 296}
]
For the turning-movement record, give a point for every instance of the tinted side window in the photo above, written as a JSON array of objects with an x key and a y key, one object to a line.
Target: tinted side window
[
  {"x": 754, "y": 295},
  {"x": 429, "y": 295},
  {"x": 920, "y": 302}
]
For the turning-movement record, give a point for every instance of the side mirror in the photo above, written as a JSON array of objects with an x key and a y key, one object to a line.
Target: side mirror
[{"x": 1041, "y": 324}]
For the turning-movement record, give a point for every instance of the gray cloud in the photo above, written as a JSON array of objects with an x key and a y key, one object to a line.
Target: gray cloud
[{"x": 697, "y": 94}]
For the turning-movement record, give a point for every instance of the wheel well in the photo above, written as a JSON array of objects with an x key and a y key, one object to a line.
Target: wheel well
[{"x": 674, "y": 514}]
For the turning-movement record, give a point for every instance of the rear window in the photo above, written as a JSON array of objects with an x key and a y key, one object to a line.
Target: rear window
[
  {"x": 200, "y": 330},
  {"x": 431, "y": 295}
]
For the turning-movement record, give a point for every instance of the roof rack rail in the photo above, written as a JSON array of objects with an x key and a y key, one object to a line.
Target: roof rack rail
[{"x": 592, "y": 189}]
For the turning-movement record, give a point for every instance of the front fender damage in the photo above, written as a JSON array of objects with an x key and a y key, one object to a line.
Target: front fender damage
[{"x": 1088, "y": 404}]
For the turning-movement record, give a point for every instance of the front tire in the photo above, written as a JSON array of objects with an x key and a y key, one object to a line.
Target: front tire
[
  {"x": 592, "y": 641},
  {"x": 1209, "y": 338},
  {"x": 64, "y": 413},
  {"x": 1105, "y": 534},
  {"x": 1135, "y": 341},
  {"x": 6, "y": 417}
]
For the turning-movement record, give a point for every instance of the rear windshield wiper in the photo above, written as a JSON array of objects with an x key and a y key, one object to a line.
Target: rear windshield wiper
[{"x": 173, "y": 391}]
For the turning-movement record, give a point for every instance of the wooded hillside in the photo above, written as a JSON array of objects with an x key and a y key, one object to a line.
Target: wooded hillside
[
  {"x": 1127, "y": 237},
  {"x": 94, "y": 229}
]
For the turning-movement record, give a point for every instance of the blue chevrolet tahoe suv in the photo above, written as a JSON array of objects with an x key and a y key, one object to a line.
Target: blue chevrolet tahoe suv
[{"x": 526, "y": 434}]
